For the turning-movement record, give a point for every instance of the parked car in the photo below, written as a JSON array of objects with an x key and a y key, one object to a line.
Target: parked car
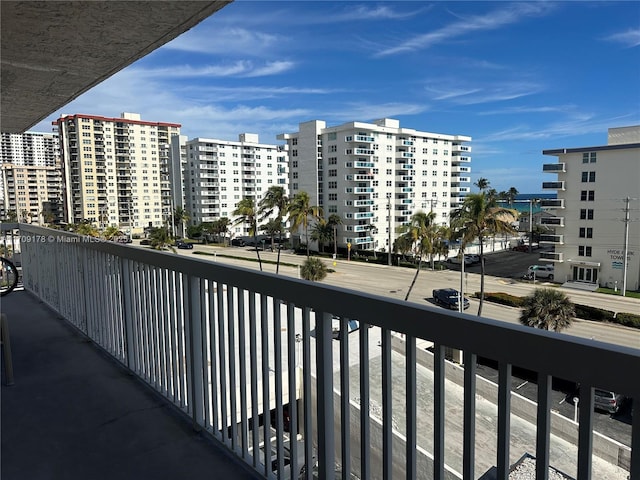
[
  {"x": 467, "y": 260},
  {"x": 238, "y": 242},
  {"x": 541, "y": 271},
  {"x": 449, "y": 298},
  {"x": 607, "y": 401},
  {"x": 184, "y": 245}
]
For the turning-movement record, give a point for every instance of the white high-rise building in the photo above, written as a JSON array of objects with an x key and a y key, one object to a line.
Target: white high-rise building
[
  {"x": 116, "y": 170},
  {"x": 30, "y": 148},
  {"x": 597, "y": 210},
  {"x": 361, "y": 170},
  {"x": 33, "y": 151},
  {"x": 219, "y": 173}
]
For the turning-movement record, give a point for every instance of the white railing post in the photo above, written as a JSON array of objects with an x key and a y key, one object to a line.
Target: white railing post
[
  {"x": 196, "y": 367},
  {"x": 127, "y": 310}
]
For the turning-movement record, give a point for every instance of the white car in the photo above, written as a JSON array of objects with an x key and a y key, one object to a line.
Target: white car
[
  {"x": 541, "y": 271},
  {"x": 467, "y": 260}
]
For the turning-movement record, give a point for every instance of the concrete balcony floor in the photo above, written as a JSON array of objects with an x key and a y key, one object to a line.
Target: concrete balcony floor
[{"x": 75, "y": 414}]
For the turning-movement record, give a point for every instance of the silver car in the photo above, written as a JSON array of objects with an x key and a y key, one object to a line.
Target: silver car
[{"x": 607, "y": 401}]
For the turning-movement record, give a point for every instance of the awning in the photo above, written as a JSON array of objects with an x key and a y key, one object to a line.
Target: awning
[{"x": 583, "y": 263}]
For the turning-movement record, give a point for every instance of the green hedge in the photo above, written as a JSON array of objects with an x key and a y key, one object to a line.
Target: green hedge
[
  {"x": 584, "y": 312},
  {"x": 628, "y": 319},
  {"x": 502, "y": 298},
  {"x": 592, "y": 313}
]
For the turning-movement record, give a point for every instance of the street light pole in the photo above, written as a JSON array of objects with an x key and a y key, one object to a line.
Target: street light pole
[{"x": 389, "y": 219}]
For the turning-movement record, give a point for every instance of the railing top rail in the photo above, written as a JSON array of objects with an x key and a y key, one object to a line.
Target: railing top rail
[{"x": 585, "y": 361}]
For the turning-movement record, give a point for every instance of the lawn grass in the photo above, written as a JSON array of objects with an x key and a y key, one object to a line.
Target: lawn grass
[{"x": 611, "y": 291}]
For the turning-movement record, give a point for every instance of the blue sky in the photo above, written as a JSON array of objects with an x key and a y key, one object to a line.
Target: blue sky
[{"x": 517, "y": 77}]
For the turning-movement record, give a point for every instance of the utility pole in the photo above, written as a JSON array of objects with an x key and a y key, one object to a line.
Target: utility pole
[
  {"x": 389, "y": 219},
  {"x": 626, "y": 246}
]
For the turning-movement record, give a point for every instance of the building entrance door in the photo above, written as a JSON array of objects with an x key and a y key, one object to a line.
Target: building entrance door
[{"x": 585, "y": 274}]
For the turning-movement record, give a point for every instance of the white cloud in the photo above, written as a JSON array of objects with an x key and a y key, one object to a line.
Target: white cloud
[
  {"x": 630, "y": 38},
  {"x": 365, "y": 112},
  {"x": 225, "y": 41},
  {"x": 495, "y": 19},
  {"x": 472, "y": 95}
]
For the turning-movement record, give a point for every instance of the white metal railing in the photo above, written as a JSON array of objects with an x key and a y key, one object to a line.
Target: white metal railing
[{"x": 227, "y": 344}]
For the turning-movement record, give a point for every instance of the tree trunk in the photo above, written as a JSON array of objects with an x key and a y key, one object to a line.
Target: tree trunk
[
  {"x": 415, "y": 277},
  {"x": 255, "y": 242},
  {"x": 306, "y": 238}
]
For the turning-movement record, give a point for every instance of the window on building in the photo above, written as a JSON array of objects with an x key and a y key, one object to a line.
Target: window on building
[
  {"x": 584, "y": 251},
  {"x": 587, "y": 195},
  {"x": 589, "y": 157},
  {"x": 589, "y": 176},
  {"x": 586, "y": 232},
  {"x": 586, "y": 214}
]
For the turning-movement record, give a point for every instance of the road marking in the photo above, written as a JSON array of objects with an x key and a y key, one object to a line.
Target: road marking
[
  {"x": 522, "y": 384},
  {"x": 561, "y": 401}
]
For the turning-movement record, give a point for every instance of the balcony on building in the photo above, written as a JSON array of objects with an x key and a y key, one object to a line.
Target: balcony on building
[
  {"x": 363, "y": 151},
  {"x": 554, "y": 257},
  {"x": 362, "y": 203},
  {"x": 552, "y": 203},
  {"x": 363, "y": 177},
  {"x": 553, "y": 185},
  {"x": 554, "y": 167},
  {"x": 363, "y": 190},
  {"x": 552, "y": 239},
  {"x": 456, "y": 147},
  {"x": 552, "y": 221},
  {"x": 363, "y": 164}
]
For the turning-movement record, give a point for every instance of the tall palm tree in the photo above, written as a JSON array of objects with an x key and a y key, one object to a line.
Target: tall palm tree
[
  {"x": 275, "y": 200},
  {"x": 547, "y": 308},
  {"x": 300, "y": 209},
  {"x": 421, "y": 234},
  {"x": 247, "y": 213},
  {"x": 272, "y": 228},
  {"x": 512, "y": 193},
  {"x": 110, "y": 232},
  {"x": 482, "y": 184},
  {"x": 180, "y": 218},
  {"x": 322, "y": 232},
  {"x": 333, "y": 221},
  {"x": 85, "y": 227},
  {"x": 481, "y": 217}
]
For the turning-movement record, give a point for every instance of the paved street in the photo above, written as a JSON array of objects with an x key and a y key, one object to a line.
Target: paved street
[{"x": 394, "y": 282}]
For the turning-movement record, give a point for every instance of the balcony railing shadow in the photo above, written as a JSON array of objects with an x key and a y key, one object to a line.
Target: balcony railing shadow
[{"x": 250, "y": 359}]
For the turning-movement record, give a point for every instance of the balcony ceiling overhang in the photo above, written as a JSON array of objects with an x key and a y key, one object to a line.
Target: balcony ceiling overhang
[{"x": 53, "y": 51}]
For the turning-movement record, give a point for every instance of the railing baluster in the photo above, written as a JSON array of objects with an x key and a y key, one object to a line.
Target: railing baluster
[
  {"x": 438, "y": 411},
  {"x": 345, "y": 417},
  {"x": 365, "y": 420},
  {"x": 411, "y": 407},
  {"x": 504, "y": 419},
  {"x": 173, "y": 339},
  {"x": 266, "y": 397},
  {"x": 306, "y": 390},
  {"x": 543, "y": 426},
  {"x": 213, "y": 358},
  {"x": 324, "y": 375},
  {"x": 222, "y": 362},
  {"x": 293, "y": 390},
  {"x": 277, "y": 372},
  {"x": 469, "y": 440},
  {"x": 635, "y": 439},
  {"x": 184, "y": 347},
  {"x": 387, "y": 407},
  {"x": 129, "y": 355},
  {"x": 253, "y": 361},
  {"x": 230, "y": 319},
  {"x": 196, "y": 354},
  {"x": 585, "y": 432},
  {"x": 242, "y": 352}
]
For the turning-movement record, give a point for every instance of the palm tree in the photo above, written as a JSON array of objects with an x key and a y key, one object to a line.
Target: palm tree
[
  {"x": 222, "y": 227},
  {"x": 110, "y": 232},
  {"x": 441, "y": 243},
  {"x": 300, "y": 210},
  {"x": 272, "y": 228},
  {"x": 480, "y": 217},
  {"x": 180, "y": 218},
  {"x": 160, "y": 239},
  {"x": 313, "y": 269},
  {"x": 420, "y": 234},
  {"x": 482, "y": 184},
  {"x": 547, "y": 308},
  {"x": 12, "y": 216},
  {"x": 322, "y": 232},
  {"x": 247, "y": 213},
  {"x": 512, "y": 193},
  {"x": 333, "y": 221},
  {"x": 275, "y": 200},
  {"x": 85, "y": 227}
]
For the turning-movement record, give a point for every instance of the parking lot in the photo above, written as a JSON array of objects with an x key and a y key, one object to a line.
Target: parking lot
[{"x": 506, "y": 264}]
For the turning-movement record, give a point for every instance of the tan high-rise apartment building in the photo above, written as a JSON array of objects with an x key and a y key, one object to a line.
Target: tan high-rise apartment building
[{"x": 116, "y": 170}]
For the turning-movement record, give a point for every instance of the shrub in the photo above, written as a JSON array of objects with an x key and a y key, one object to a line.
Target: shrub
[
  {"x": 502, "y": 298},
  {"x": 313, "y": 269},
  {"x": 628, "y": 319},
  {"x": 592, "y": 313}
]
